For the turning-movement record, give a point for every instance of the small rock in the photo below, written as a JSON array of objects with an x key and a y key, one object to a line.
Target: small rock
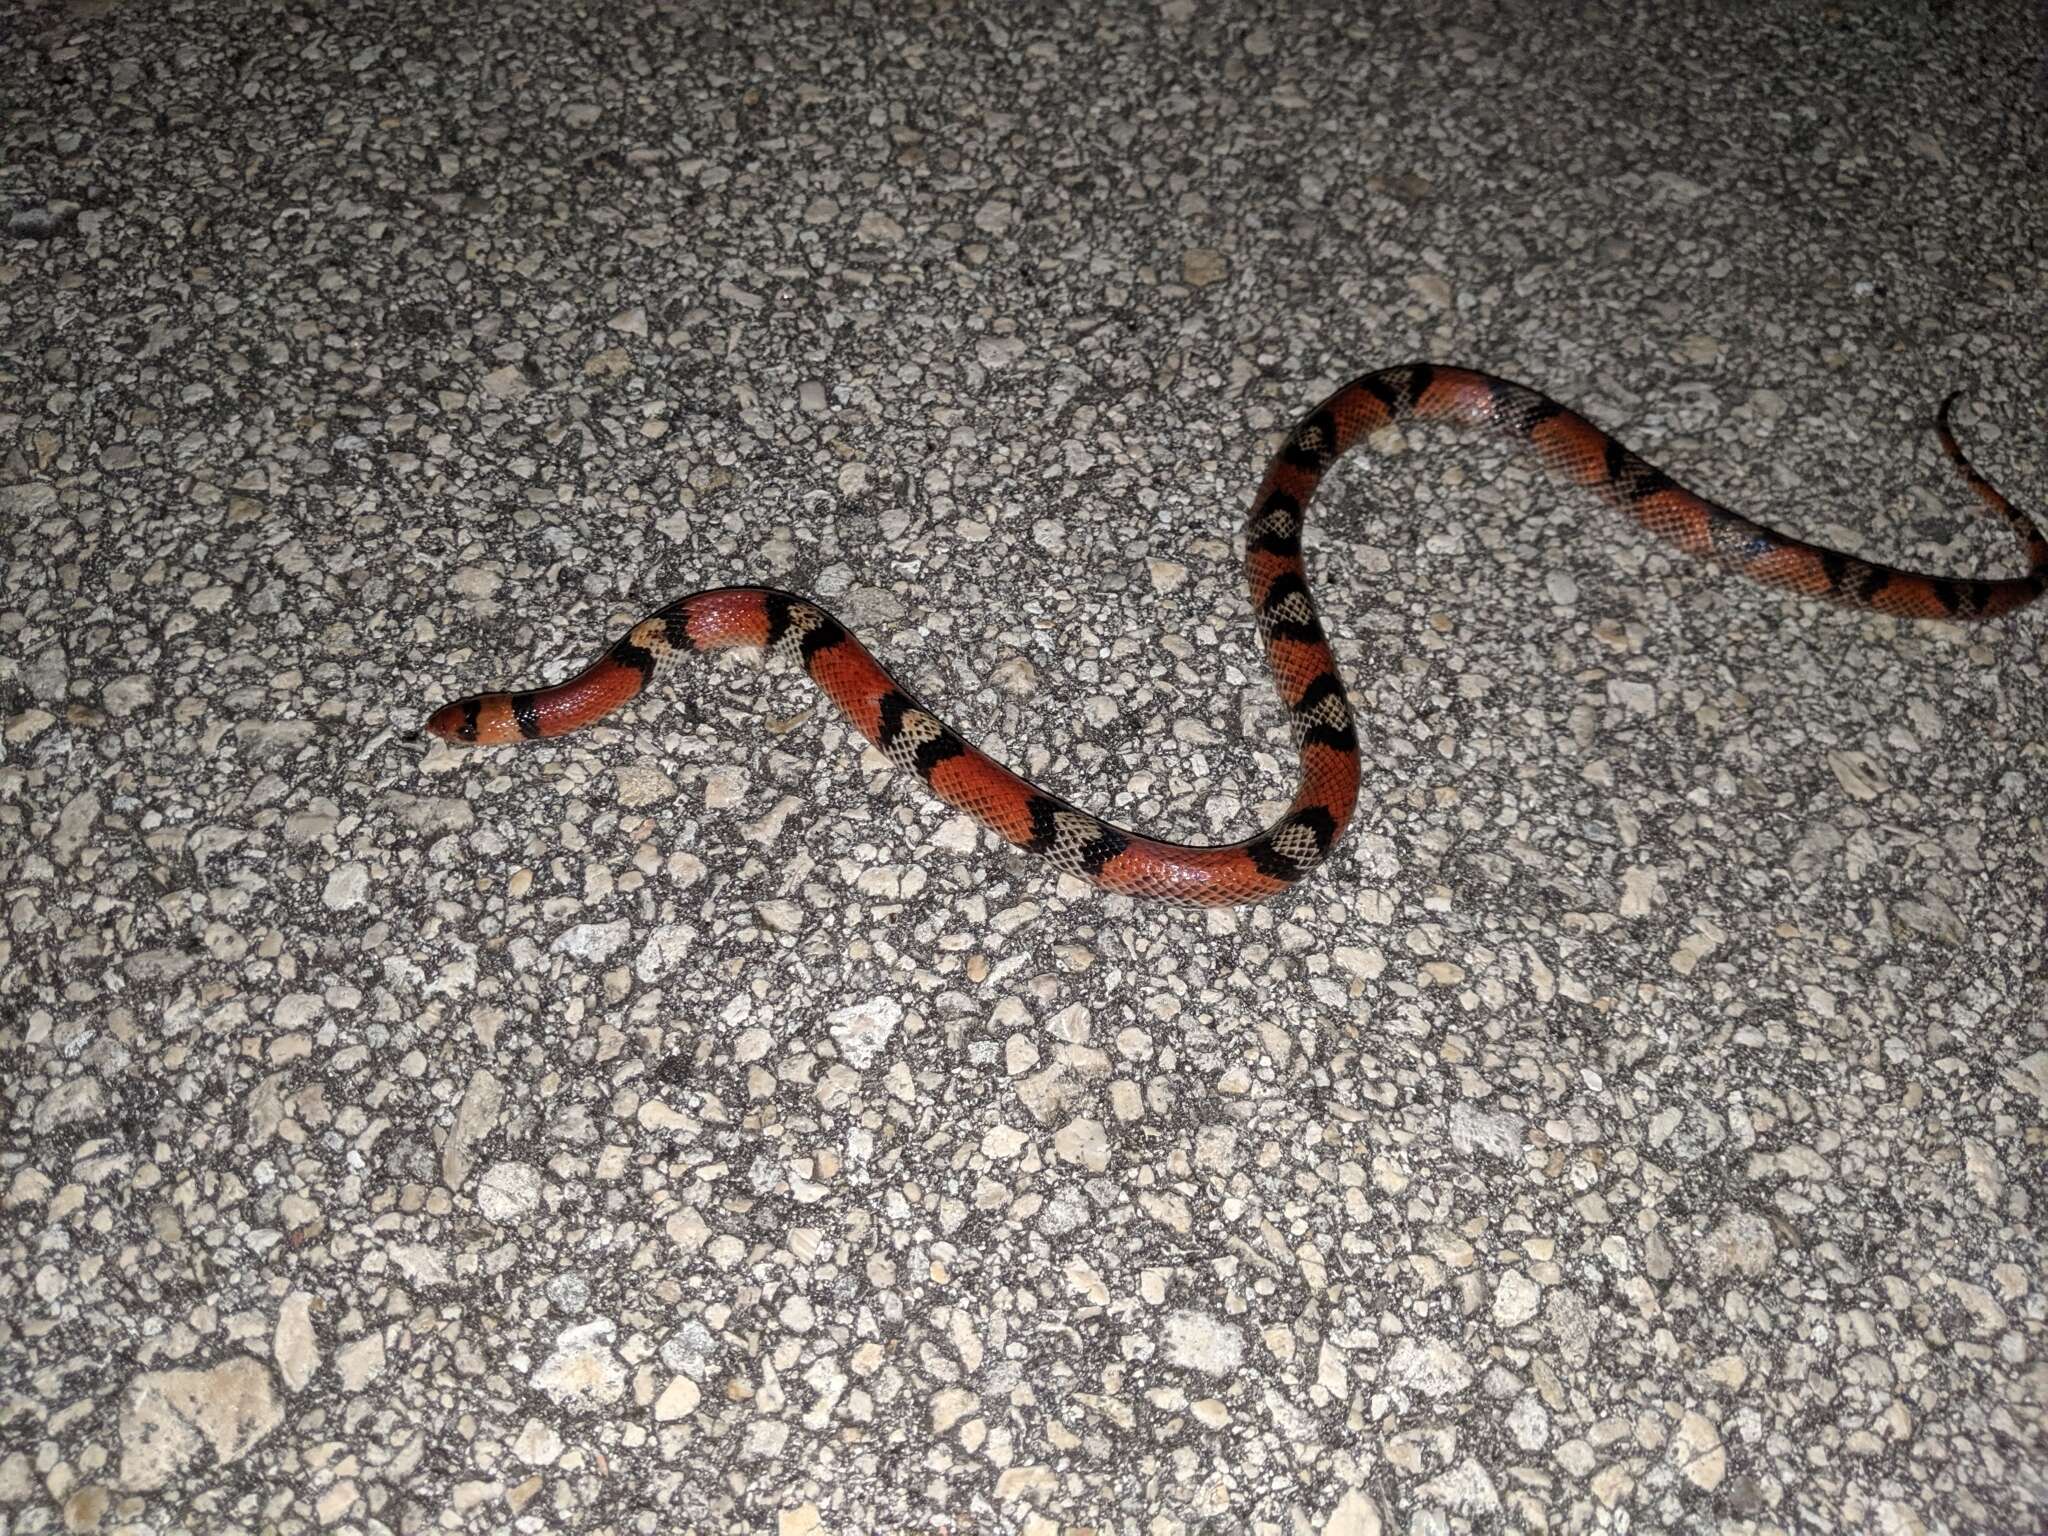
[
  {"x": 780, "y": 916},
  {"x": 506, "y": 383},
  {"x": 76, "y": 824},
  {"x": 1741, "y": 1244},
  {"x": 678, "y": 1400},
  {"x": 1432, "y": 288},
  {"x": 419, "y": 1263},
  {"x": 583, "y": 1374},
  {"x": 665, "y": 948},
  {"x": 538, "y": 1445},
  {"x": 1529, "y": 1422},
  {"x": 593, "y": 941},
  {"x": 336, "y": 1501},
  {"x": 950, "y": 1406},
  {"x": 1083, "y": 1141},
  {"x": 1002, "y": 1142},
  {"x": 877, "y": 226},
  {"x": 17, "y": 1478},
  {"x": 1429, "y": 1366},
  {"x": 1860, "y": 778},
  {"x": 360, "y": 1361},
  {"x": 1516, "y": 1299},
  {"x": 998, "y": 351},
  {"x": 1198, "y": 1341},
  {"x": 475, "y": 1117},
  {"x": 1355, "y": 1515},
  {"x": 1167, "y": 575},
  {"x": 168, "y": 1417},
  {"x": 126, "y": 695},
  {"x": 293, "y": 1345},
  {"x": 1697, "y": 1452},
  {"x": 1472, "y": 1130},
  {"x": 508, "y": 1191},
  {"x": 74, "y": 1101},
  {"x": 642, "y": 784},
  {"x": 1465, "y": 1488},
  {"x": 1033, "y": 1483},
  {"x": 1571, "y": 1320},
  {"x": 348, "y": 887},
  {"x": 84, "y": 1509},
  {"x": 861, "y": 1030},
  {"x": 1201, "y": 266}
]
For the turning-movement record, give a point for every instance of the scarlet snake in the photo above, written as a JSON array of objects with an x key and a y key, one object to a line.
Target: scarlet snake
[{"x": 914, "y": 739}]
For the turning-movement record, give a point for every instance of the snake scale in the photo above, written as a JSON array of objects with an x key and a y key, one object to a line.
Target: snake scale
[{"x": 1324, "y": 728}]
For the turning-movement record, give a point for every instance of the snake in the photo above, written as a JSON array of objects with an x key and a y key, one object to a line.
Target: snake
[{"x": 1298, "y": 654}]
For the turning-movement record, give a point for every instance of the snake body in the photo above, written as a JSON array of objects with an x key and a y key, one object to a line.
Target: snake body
[{"x": 1325, "y": 731}]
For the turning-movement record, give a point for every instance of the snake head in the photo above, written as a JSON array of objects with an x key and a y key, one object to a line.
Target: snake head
[{"x": 453, "y": 722}]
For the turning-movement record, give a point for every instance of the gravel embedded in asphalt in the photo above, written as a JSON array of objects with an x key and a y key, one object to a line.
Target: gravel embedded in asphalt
[{"x": 689, "y": 1125}]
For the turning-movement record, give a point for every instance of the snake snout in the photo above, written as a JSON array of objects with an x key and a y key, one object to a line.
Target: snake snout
[{"x": 451, "y": 722}]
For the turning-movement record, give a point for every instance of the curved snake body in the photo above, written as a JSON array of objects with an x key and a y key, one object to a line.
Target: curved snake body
[{"x": 1324, "y": 729}]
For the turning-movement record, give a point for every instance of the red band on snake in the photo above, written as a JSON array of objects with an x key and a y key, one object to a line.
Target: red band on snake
[{"x": 1325, "y": 735}]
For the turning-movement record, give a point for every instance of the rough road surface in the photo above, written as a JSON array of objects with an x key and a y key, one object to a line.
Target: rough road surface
[{"x": 687, "y": 1126}]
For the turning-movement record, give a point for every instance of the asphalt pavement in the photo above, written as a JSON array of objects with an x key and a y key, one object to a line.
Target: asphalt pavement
[{"x": 689, "y": 1125}]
